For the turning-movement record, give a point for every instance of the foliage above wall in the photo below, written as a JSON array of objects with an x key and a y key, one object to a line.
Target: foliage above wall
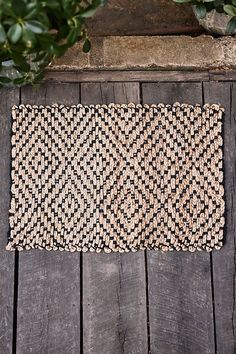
[
  {"x": 34, "y": 32},
  {"x": 222, "y": 6}
]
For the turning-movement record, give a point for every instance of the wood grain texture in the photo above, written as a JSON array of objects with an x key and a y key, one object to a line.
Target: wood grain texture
[
  {"x": 139, "y": 75},
  {"x": 143, "y": 17},
  {"x": 128, "y": 75},
  {"x": 114, "y": 298},
  {"x": 224, "y": 261},
  {"x": 221, "y": 75},
  {"x": 170, "y": 92},
  {"x": 179, "y": 283},
  {"x": 8, "y": 97},
  {"x": 49, "y": 282}
]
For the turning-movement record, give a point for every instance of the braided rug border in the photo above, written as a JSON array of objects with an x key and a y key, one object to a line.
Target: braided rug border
[{"x": 209, "y": 246}]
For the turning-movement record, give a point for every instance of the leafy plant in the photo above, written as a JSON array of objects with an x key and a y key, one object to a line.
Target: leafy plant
[
  {"x": 34, "y": 32},
  {"x": 222, "y": 6}
]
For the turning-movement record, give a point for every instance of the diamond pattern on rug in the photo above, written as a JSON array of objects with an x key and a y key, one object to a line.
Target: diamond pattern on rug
[{"x": 117, "y": 177}]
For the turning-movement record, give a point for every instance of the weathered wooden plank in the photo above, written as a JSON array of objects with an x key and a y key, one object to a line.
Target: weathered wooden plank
[
  {"x": 140, "y": 75},
  {"x": 114, "y": 292},
  {"x": 224, "y": 261},
  {"x": 49, "y": 282},
  {"x": 171, "y": 92},
  {"x": 109, "y": 92},
  {"x": 221, "y": 75},
  {"x": 127, "y": 75},
  {"x": 8, "y": 97},
  {"x": 132, "y": 17},
  {"x": 179, "y": 283}
]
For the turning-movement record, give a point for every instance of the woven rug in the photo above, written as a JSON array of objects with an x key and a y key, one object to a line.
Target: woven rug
[{"x": 117, "y": 177}]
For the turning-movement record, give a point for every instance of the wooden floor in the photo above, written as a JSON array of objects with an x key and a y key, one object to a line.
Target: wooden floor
[{"x": 144, "y": 302}]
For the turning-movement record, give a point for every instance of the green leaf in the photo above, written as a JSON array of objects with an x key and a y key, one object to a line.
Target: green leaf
[
  {"x": 89, "y": 12},
  {"x": 38, "y": 78},
  {"x": 20, "y": 61},
  {"x": 233, "y": 2},
  {"x": 39, "y": 56},
  {"x": 230, "y": 10},
  {"x": 4, "y": 80},
  {"x": 2, "y": 34},
  {"x": 31, "y": 5},
  {"x": 231, "y": 25},
  {"x": 52, "y": 4},
  {"x": 200, "y": 11},
  {"x": 31, "y": 14},
  {"x": 19, "y": 80},
  {"x": 35, "y": 26},
  {"x": 86, "y": 46},
  {"x": 72, "y": 36},
  {"x": 57, "y": 50},
  {"x": 8, "y": 22},
  {"x": 14, "y": 33},
  {"x": 28, "y": 37}
]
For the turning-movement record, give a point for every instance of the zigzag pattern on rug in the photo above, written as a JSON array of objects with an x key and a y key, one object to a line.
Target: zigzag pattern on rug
[{"x": 117, "y": 177}]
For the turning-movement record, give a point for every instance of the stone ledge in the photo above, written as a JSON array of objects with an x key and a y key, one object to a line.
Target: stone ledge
[{"x": 157, "y": 52}]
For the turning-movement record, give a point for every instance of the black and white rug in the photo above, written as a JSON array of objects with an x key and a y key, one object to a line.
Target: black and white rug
[{"x": 117, "y": 177}]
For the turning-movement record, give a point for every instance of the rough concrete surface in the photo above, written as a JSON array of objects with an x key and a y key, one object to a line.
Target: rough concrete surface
[
  {"x": 143, "y": 17},
  {"x": 156, "y": 52}
]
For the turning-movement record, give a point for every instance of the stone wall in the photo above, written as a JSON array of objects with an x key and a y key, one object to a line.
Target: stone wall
[{"x": 152, "y": 52}]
